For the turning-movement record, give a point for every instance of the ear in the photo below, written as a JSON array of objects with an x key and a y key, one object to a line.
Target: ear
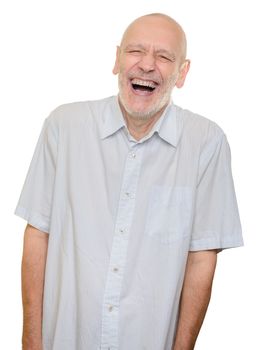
[
  {"x": 183, "y": 73},
  {"x": 117, "y": 65}
]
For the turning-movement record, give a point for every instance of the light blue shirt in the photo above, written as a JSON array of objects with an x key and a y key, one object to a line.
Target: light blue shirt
[{"x": 122, "y": 216}]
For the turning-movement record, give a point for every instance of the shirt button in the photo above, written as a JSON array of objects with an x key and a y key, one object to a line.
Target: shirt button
[
  {"x": 110, "y": 308},
  {"x": 121, "y": 230},
  {"x": 129, "y": 195},
  {"x": 133, "y": 155},
  {"x": 115, "y": 269}
]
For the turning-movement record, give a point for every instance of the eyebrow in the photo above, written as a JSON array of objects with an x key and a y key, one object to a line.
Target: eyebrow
[{"x": 135, "y": 46}]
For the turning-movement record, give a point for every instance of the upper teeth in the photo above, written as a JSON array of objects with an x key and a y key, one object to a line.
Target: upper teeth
[{"x": 144, "y": 83}]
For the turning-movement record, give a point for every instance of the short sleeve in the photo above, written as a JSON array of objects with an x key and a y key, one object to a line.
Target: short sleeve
[
  {"x": 35, "y": 201},
  {"x": 216, "y": 222}
]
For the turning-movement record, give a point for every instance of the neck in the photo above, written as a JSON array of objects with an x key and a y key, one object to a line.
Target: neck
[{"x": 139, "y": 128}]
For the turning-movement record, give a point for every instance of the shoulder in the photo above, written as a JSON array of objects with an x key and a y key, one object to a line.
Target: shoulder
[
  {"x": 198, "y": 128},
  {"x": 75, "y": 113},
  {"x": 196, "y": 123}
]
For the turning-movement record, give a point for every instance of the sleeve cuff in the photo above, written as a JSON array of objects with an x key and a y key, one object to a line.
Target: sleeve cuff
[
  {"x": 215, "y": 243},
  {"x": 34, "y": 219}
]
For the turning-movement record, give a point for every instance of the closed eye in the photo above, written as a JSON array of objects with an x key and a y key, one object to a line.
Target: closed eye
[
  {"x": 165, "y": 58},
  {"x": 135, "y": 51}
]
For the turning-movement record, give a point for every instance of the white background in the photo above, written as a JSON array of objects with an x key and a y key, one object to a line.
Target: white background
[{"x": 54, "y": 52}]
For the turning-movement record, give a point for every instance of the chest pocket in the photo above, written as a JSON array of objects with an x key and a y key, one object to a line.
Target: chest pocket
[{"x": 169, "y": 213}]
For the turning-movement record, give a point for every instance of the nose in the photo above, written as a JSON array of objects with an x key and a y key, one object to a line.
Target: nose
[{"x": 147, "y": 63}]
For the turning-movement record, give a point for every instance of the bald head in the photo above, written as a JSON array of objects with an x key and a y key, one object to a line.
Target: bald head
[{"x": 154, "y": 21}]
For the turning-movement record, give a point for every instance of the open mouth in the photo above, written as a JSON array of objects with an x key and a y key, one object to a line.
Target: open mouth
[{"x": 143, "y": 86}]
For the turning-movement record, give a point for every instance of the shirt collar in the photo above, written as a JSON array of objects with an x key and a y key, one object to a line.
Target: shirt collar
[
  {"x": 112, "y": 118},
  {"x": 166, "y": 126}
]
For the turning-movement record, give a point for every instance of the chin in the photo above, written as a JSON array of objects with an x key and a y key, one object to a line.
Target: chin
[
  {"x": 137, "y": 111},
  {"x": 141, "y": 113}
]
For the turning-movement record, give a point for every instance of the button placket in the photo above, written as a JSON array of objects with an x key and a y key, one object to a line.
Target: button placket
[{"x": 119, "y": 249}]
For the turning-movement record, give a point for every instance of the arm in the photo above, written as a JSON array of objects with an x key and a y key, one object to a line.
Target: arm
[
  {"x": 33, "y": 269},
  {"x": 195, "y": 297}
]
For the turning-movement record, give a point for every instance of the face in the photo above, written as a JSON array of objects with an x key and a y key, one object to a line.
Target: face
[{"x": 149, "y": 64}]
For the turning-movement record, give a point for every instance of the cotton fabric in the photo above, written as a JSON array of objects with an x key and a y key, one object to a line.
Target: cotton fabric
[{"x": 122, "y": 216}]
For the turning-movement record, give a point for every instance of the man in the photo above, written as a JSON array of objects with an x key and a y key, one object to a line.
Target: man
[{"x": 128, "y": 200}]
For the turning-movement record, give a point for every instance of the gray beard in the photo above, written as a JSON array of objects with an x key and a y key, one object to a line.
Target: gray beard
[{"x": 142, "y": 115}]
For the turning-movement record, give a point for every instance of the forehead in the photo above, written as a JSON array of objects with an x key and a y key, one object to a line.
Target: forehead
[{"x": 153, "y": 31}]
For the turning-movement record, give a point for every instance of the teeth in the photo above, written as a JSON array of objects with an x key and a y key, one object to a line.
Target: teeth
[{"x": 144, "y": 83}]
